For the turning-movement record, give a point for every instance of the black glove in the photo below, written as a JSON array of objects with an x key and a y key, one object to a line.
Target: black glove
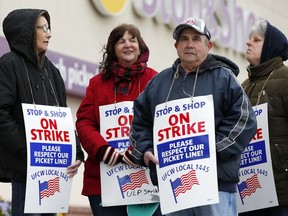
[
  {"x": 153, "y": 173},
  {"x": 109, "y": 155},
  {"x": 128, "y": 159}
]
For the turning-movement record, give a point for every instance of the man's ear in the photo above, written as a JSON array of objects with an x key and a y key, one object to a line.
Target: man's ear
[
  {"x": 210, "y": 45},
  {"x": 176, "y": 44}
]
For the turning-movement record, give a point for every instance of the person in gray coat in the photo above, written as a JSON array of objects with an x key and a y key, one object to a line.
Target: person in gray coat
[{"x": 267, "y": 82}]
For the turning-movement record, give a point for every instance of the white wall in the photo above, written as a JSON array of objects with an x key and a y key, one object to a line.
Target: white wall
[{"x": 80, "y": 31}]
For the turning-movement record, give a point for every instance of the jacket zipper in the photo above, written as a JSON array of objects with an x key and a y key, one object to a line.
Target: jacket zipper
[{"x": 44, "y": 89}]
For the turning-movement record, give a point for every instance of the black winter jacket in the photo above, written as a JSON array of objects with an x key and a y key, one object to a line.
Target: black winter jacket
[
  {"x": 235, "y": 122},
  {"x": 17, "y": 68}
]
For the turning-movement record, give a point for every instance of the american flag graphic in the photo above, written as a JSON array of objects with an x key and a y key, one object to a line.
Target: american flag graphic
[
  {"x": 249, "y": 186},
  {"x": 132, "y": 181},
  {"x": 184, "y": 183},
  {"x": 48, "y": 188}
]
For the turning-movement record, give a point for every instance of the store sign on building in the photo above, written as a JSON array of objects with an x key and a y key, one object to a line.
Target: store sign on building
[
  {"x": 75, "y": 72},
  {"x": 110, "y": 7},
  {"x": 228, "y": 23}
]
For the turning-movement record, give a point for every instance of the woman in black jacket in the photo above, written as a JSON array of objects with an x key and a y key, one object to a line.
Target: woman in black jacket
[{"x": 26, "y": 76}]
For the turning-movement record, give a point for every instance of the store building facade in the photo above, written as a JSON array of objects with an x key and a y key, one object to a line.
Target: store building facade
[{"x": 80, "y": 29}]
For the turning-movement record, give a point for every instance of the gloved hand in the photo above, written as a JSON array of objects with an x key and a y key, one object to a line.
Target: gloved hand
[
  {"x": 109, "y": 155},
  {"x": 127, "y": 158},
  {"x": 153, "y": 173}
]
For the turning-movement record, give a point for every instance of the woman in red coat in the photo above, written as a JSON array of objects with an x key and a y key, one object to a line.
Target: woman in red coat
[{"x": 123, "y": 76}]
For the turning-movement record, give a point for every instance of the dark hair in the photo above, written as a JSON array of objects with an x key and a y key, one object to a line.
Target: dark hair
[{"x": 109, "y": 54}]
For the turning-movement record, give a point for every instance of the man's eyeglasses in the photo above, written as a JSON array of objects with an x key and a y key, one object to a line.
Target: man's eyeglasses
[{"x": 44, "y": 28}]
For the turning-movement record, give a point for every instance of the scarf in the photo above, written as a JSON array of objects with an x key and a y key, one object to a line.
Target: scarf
[{"x": 124, "y": 75}]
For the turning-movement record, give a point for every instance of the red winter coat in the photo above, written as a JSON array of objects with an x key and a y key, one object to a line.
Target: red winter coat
[{"x": 99, "y": 93}]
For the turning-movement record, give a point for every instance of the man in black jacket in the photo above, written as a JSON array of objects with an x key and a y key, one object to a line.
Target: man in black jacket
[{"x": 196, "y": 73}]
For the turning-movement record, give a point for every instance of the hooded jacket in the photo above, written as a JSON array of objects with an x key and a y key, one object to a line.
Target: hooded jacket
[
  {"x": 235, "y": 122},
  {"x": 98, "y": 93},
  {"x": 270, "y": 80},
  {"x": 25, "y": 77}
]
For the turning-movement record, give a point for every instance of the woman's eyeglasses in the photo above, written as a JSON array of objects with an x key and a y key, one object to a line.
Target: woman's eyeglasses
[{"x": 44, "y": 28}]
